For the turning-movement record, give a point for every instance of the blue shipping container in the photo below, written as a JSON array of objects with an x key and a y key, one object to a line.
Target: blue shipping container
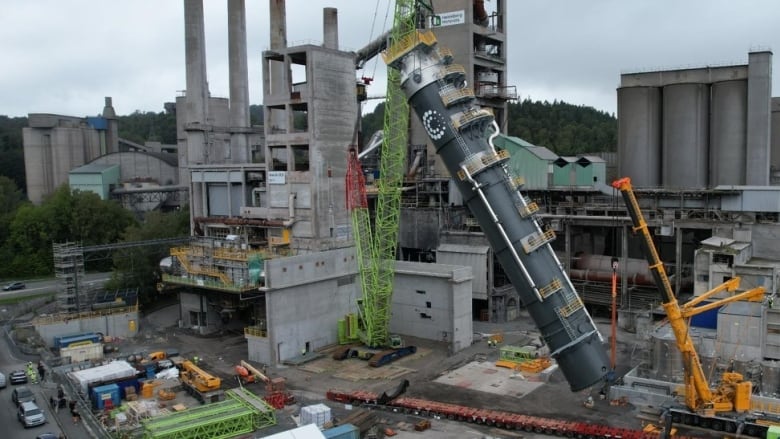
[
  {"x": 105, "y": 393},
  {"x": 346, "y": 431},
  {"x": 707, "y": 319},
  {"x": 68, "y": 340}
]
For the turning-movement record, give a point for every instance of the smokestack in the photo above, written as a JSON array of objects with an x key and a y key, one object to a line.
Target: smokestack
[
  {"x": 239, "y": 74},
  {"x": 278, "y": 25},
  {"x": 330, "y": 27},
  {"x": 112, "y": 132},
  {"x": 276, "y": 70},
  {"x": 195, "y": 57}
]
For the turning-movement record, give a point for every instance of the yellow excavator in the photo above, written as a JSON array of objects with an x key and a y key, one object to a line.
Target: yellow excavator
[{"x": 727, "y": 406}]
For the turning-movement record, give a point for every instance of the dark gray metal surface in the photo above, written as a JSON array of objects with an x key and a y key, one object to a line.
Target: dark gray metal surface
[{"x": 564, "y": 323}]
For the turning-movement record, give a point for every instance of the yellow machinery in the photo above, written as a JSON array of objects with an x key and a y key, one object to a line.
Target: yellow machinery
[
  {"x": 196, "y": 378},
  {"x": 732, "y": 395}
]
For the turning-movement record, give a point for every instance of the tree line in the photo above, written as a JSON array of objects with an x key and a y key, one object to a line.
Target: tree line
[
  {"x": 565, "y": 129},
  {"x": 28, "y": 232}
]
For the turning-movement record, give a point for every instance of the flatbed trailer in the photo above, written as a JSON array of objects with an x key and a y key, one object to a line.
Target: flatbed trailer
[{"x": 494, "y": 418}]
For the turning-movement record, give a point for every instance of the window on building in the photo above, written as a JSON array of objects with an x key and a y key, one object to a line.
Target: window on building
[
  {"x": 279, "y": 159},
  {"x": 420, "y": 291},
  {"x": 427, "y": 304},
  {"x": 300, "y": 157},
  {"x": 197, "y": 318}
]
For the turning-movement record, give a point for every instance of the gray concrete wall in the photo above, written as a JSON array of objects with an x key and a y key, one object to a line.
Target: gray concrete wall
[
  {"x": 765, "y": 238},
  {"x": 50, "y": 152},
  {"x": 189, "y": 303},
  {"x": 333, "y": 114},
  {"x": 433, "y": 301},
  {"x": 121, "y": 325},
  {"x": 140, "y": 165},
  {"x": 419, "y": 228},
  {"x": 682, "y": 76},
  {"x": 308, "y": 294},
  {"x": 306, "y": 297},
  {"x": 775, "y": 129},
  {"x": 758, "y": 118}
]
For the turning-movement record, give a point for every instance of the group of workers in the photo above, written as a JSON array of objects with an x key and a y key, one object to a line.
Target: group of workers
[{"x": 33, "y": 374}]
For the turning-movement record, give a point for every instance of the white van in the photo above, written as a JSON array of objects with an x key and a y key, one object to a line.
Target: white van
[{"x": 30, "y": 415}]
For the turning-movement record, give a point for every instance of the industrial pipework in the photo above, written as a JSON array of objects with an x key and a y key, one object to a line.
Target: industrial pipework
[{"x": 461, "y": 131}]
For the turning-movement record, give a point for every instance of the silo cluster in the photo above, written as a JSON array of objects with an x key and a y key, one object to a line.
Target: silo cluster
[{"x": 692, "y": 129}]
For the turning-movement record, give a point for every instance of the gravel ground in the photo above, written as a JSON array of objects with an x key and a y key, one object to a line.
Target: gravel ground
[{"x": 221, "y": 352}]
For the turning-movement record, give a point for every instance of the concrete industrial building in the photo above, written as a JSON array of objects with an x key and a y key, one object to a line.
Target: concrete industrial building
[
  {"x": 54, "y": 144},
  {"x": 272, "y": 232},
  {"x": 80, "y": 150},
  {"x": 287, "y": 209},
  {"x": 698, "y": 128}
]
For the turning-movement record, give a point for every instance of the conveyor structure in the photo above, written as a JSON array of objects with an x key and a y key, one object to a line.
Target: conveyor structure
[
  {"x": 463, "y": 134},
  {"x": 242, "y": 413}
]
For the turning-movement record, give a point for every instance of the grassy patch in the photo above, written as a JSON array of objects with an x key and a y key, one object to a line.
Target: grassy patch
[{"x": 15, "y": 300}]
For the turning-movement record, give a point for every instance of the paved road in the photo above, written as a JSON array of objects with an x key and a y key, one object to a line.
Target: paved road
[
  {"x": 12, "y": 359},
  {"x": 52, "y": 285}
]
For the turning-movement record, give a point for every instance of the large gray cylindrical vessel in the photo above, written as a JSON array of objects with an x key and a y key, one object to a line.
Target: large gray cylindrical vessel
[
  {"x": 460, "y": 132},
  {"x": 728, "y": 133},
  {"x": 684, "y": 148},
  {"x": 639, "y": 135}
]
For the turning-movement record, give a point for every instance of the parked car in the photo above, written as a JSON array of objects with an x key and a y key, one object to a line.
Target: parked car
[
  {"x": 14, "y": 286},
  {"x": 22, "y": 394},
  {"x": 48, "y": 435},
  {"x": 3, "y": 382},
  {"x": 17, "y": 377},
  {"x": 30, "y": 415}
]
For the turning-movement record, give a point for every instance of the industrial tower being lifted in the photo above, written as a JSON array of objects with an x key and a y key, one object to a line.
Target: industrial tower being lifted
[{"x": 463, "y": 136}]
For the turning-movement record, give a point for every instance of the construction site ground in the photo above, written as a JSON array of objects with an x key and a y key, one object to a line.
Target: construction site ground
[{"x": 468, "y": 377}]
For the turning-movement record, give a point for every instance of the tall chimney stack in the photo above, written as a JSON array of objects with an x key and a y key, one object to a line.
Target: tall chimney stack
[
  {"x": 195, "y": 57},
  {"x": 239, "y": 79},
  {"x": 330, "y": 27}
]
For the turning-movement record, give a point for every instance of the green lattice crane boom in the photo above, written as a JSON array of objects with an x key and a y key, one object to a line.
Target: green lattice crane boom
[{"x": 377, "y": 250}]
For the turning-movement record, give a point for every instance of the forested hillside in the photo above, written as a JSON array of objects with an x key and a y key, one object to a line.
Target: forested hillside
[{"x": 564, "y": 128}]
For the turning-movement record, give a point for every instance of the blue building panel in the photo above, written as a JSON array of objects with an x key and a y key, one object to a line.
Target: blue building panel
[{"x": 98, "y": 123}]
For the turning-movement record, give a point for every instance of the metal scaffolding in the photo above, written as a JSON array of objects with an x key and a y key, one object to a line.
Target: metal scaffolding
[{"x": 69, "y": 270}]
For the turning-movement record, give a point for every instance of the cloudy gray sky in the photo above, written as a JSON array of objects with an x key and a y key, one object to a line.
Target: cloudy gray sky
[{"x": 64, "y": 56}]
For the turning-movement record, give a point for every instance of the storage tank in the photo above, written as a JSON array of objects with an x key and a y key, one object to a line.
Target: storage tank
[
  {"x": 639, "y": 135},
  {"x": 600, "y": 267},
  {"x": 684, "y": 148},
  {"x": 728, "y": 133},
  {"x": 667, "y": 359}
]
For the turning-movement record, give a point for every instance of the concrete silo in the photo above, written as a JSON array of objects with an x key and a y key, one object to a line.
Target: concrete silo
[
  {"x": 685, "y": 135},
  {"x": 728, "y": 133},
  {"x": 639, "y": 135},
  {"x": 775, "y": 144}
]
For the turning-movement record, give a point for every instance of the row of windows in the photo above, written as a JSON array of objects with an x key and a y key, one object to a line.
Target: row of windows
[{"x": 294, "y": 159}]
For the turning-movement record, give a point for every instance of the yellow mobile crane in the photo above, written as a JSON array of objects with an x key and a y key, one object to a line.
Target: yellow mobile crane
[{"x": 727, "y": 406}]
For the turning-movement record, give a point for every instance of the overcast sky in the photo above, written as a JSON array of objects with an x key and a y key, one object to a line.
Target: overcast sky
[{"x": 63, "y": 57}]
